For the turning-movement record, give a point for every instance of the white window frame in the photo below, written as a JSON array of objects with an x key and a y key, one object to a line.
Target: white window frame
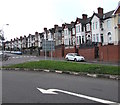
[
  {"x": 78, "y": 28},
  {"x": 94, "y": 38},
  {"x": 96, "y": 25},
  {"x": 88, "y": 27},
  {"x": 73, "y": 31},
  {"x": 97, "y": 37},
  {"x": 108, "y": 23}
]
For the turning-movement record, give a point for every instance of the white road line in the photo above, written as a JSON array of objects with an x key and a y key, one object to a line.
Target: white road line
[{"x": 53, "y": 91}]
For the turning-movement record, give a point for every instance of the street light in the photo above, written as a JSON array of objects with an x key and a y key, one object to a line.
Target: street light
[{"x": 2, "y": 37}]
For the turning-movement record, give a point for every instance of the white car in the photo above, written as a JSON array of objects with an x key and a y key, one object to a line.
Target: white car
[{"x": 74, "y": 57}]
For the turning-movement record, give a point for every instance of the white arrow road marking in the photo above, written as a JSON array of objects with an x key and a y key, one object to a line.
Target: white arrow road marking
[
  {"x": 53, "y": 91},
  {"x": 49, "y": 91}
]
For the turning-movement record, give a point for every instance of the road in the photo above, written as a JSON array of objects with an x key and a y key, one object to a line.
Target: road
[
  {"x": 22, "y": 87},
  {"x": 16, "y": 59}
]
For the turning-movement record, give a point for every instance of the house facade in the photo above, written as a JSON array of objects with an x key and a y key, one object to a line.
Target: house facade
[
  {"x": 97, "y": 26},
  {"x": 101, "y": 28},
  {"x": 80, "y": 31},
  {"x": 67, "y": 35},
  {"x": 58, "y": 35}
]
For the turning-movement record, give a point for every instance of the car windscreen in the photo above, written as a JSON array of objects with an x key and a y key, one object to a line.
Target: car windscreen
[{"x": 76, "y": 54}]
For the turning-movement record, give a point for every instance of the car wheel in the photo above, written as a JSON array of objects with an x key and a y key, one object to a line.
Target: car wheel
[
  {"x": 75, "y": 60},
  {"x": 67, "y": 59}
]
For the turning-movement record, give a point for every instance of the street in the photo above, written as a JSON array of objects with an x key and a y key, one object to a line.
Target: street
[
  {"x": 24, "y": 87},
  {"x": 16, "y": 59}
]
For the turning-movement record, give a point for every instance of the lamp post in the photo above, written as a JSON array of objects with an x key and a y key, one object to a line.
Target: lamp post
[{"x": 2, "y": 37}]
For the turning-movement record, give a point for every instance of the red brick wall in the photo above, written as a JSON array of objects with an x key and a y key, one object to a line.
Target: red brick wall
[
  {"x": 41, "y": 53},
  {"x": 88, "y": 53},
  {"x": 109, "y": 53},
  {"x": 69, "y": 50},
  {"x": 58, "y": 53}
]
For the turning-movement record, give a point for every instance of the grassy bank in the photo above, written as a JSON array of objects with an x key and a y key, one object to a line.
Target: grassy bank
[{"x": 69, "y": 66}]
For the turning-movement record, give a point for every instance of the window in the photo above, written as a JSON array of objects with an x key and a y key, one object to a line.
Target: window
[
  {"x": 68, "y": 32},
  {"x": 101, "y": 25},
  {"x": 93, "y": 26},
  {"x": 77, "y": 40},
  {"x": 108, "y": 24},
  {"x": 82, "y": 39},
  {"x": 102, "y": 38},
  {"x": 109, "y": 37},
  {"x": 65, "y": 32},
  {"x": 96, "y": 25},
  {"x": 78, "y": 29},
  {"x": 69, "y": 41},
  {"x": 93, "y": 37},
  {"x": 97, "y": 35},
  {"x": 88, "y": 27},
  {"x": 73, "y": 31}
]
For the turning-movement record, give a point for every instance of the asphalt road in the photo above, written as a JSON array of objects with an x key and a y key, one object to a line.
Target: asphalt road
[
  {"x": 16, "y": 59},
  {"x": 21, "y": 87}
]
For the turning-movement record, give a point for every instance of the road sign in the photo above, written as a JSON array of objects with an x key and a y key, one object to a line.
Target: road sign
[{"x": 48, "y": 45}]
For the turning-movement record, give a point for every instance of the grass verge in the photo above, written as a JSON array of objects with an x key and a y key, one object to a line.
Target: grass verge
[{"x": 69, "y": 66}]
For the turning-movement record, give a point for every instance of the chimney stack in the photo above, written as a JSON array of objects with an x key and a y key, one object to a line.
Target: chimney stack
[
  {"x": 55, "y": 26},
  {"x": 63, "y": 25},
  {"x": 84, "y": 16},
  {"x": 72, "y": 22},
  {"x": 36, "y": 33},
  {"x": 100, "y": 10}
]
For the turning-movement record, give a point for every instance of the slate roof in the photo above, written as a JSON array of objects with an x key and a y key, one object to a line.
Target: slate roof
[
  {"x": 68, "y": 26},
  {"x": 52, "y": 30},
  {"x": 59, "y": 29},
  {"x": 104, "y": 16},
  {"x": 88, "y": 20},
  {"x": 108, "y": 14}
]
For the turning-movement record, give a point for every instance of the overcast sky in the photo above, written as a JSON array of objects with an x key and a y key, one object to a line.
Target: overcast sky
[{"x": 28, "y": 16}]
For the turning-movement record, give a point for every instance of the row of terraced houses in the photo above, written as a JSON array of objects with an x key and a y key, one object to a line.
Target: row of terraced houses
[{"x": 95, "y": 37}]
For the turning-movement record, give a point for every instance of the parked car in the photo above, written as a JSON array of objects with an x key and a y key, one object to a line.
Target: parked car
[
  {"x": 74, "y": 57},
  {"x": 16, "y": 52}
]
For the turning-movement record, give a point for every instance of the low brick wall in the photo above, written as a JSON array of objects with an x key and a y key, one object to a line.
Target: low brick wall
[
  {"x": 41, "y": 53},
  {"x": 109, "y": 53},
  {"x": 88, "y": 53},
  {"x": 69, "y": 50},
  {"x": 58, "y": 53}
]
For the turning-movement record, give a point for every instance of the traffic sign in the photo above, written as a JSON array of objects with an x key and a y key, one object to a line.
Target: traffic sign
[{"x": 48, "y": 45}]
